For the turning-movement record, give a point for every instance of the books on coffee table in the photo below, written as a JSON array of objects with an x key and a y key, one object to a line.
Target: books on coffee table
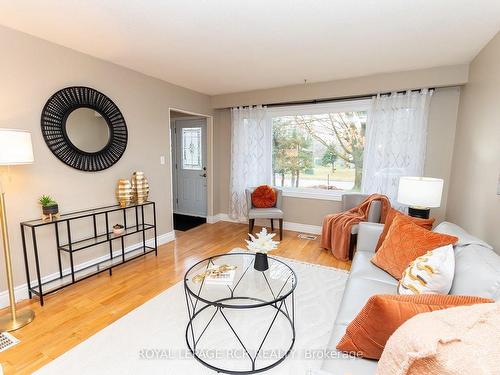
[{"x": 220, "y": 278}]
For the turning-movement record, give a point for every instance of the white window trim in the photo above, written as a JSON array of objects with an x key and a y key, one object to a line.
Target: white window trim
[
  {"x": 311, "y": 109},
  {"x": 305, "y": 193}
]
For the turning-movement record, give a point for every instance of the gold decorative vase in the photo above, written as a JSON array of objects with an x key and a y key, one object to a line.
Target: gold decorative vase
[
  {"x": 140, "y": 187},
  {"x": 124, "y": 192}
]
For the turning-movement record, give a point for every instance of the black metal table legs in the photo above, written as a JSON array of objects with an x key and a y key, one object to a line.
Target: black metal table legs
[
  {"x": 77, "y": 272},
  {"x": 284, "y": 308}
]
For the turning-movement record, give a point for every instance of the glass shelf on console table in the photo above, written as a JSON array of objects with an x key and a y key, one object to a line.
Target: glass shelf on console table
[{"x": 131, "y": 217}]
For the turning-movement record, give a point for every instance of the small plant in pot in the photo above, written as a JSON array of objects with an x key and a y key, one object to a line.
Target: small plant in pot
[
  {"x": 261, "y": 245},
  {"x": 49, "y": 205},
  {"x": 118, "y": 229}
]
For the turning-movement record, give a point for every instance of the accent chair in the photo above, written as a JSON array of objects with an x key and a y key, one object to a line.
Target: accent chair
[{"x": 265, "y": 213}]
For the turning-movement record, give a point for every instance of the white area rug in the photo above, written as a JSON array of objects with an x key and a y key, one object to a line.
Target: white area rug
[{"x": 151, "y": 338}]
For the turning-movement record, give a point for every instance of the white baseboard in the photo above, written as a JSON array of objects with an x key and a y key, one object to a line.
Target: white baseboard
[
  {"x": 21, "y": 291},
  {"x": 212, "y": 219},
  {"x": 296, "y": 227},
  {"x": 164, "y": 238},
  {"x": 303, "y": 228},
  {"x": 224, "y": 217}
]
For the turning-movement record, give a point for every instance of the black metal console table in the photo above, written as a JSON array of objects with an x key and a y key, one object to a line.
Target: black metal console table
[{"x": 64, "y": 223}]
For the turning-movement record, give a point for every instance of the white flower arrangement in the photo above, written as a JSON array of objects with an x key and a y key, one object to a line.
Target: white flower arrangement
[{"x": 263, "y": 243}]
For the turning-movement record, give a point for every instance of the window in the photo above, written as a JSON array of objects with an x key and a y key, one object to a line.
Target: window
[
  {"x": 319, "y": 147},
  {"x": 191, "y": 148}
]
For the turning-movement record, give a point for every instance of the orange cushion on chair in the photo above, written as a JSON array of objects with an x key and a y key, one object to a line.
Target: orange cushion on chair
[
  {"x": 405, "y": 242},
  {"x": 424, "y": 223},
  {"x": 264, "y": 196},
  {"x": 382, "y": 315}
]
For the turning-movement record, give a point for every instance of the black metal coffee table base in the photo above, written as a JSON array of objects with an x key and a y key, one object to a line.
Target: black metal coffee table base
[{"x": 281, "y": 307}]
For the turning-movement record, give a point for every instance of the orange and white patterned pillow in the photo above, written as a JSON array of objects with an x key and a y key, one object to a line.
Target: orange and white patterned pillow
[
  {"x": 405, "y": 242},
  {"x": 431, "y": 273}
]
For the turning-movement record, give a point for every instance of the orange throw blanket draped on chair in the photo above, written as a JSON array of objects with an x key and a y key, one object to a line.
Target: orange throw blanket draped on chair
[{"x": 336, "y": 233}]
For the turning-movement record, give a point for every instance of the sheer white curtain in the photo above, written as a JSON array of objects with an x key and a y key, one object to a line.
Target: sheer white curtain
[
  {"x": 251, "y": 155},
  {"x": 396, "y": 137}
]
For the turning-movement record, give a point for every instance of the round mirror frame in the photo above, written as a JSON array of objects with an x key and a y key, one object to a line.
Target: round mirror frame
[{"x": 53, "y": 121}]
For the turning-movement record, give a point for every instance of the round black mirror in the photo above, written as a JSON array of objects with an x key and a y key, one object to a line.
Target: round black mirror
[{"x": 84, "y": 128}]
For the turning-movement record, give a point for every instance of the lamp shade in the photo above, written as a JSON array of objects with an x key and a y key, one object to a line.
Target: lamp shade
[
  {"x": 15, "y": 147},
  {"x": 420, "y": 191}
]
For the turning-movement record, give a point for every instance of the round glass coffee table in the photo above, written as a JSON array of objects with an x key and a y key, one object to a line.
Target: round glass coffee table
[{"x": 243, "y": 325}]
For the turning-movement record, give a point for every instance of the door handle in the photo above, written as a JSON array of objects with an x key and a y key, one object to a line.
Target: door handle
[{"x": 203, "y": 175}]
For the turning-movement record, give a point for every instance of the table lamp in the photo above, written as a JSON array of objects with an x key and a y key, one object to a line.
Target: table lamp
[
  {"x": 15, "y": 148},
  {"x": 420, "y": 194}
]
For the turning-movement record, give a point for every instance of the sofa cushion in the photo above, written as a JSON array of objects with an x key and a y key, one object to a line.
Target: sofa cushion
[
  {"x": 464, "y": 238},
  {"x": 477, "y": 272},
  {"x": 365, "y": 280},
  {"x": 477, "y": 266},
  {"x": 363, "y": 267}
]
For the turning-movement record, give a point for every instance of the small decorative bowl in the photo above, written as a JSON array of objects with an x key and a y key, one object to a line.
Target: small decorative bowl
[{"x": 118, "y": 230}]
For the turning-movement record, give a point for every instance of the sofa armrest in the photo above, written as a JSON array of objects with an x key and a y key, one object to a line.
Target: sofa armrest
[{"x": 368, "y": 236}]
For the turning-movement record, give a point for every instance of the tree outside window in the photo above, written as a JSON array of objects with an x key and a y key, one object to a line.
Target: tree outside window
[{"x": 320, "y": 151}]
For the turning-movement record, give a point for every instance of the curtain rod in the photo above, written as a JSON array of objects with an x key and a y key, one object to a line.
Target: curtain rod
[{"x": 339, "y": 99}]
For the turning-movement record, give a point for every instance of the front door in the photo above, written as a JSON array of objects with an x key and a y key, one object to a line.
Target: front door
[{"x": 190, "y": 172}]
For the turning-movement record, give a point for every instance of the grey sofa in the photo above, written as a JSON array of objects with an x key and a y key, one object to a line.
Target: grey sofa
[{"x": 477, "y": 272}]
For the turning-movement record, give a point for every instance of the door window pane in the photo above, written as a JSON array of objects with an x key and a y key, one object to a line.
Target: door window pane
[{"x": 191, "y": 148}]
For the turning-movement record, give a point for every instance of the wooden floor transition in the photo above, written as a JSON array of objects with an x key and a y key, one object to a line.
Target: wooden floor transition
[{"x": 79, "y": 311}]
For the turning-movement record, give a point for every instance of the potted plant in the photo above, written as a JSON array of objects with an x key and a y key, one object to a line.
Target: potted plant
[
  {"x": 49, "y": 205},
  {"x": 118, "y": 229},
  {"x": 261, "y": 246}
]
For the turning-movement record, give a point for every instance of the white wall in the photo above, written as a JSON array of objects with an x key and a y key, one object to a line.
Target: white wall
[
  {"x": 442, "y": 76},
  {"x": 474, "y": 203}
]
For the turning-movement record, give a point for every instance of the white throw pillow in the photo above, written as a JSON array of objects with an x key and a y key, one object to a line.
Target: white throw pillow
[{"x": 431, "y": 273}]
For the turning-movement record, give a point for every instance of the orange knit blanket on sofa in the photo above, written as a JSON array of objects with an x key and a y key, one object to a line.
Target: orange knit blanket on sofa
[{"x": 336, "y": 232}]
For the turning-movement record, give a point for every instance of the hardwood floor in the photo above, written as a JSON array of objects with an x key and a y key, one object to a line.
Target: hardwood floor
[{"x": 79, "y": 311}]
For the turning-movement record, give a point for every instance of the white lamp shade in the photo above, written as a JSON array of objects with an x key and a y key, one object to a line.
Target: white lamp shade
[
  {"x": 15, "y": 147},
  {"x": 420, "y": 191}
]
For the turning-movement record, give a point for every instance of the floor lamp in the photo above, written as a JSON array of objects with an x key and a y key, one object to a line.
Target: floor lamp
[{"x": 15, "y": 149}]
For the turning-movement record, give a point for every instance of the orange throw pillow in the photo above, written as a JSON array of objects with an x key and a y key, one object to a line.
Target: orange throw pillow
[
  {"x": 264, "y": 196},
  {"x": 405, "y": 242},
  {"x": 424, "y": 223},
  {"x": 368, "y": 333}
]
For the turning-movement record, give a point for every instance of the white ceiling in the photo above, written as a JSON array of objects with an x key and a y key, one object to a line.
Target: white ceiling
[{"x": 223, "y": 46}]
